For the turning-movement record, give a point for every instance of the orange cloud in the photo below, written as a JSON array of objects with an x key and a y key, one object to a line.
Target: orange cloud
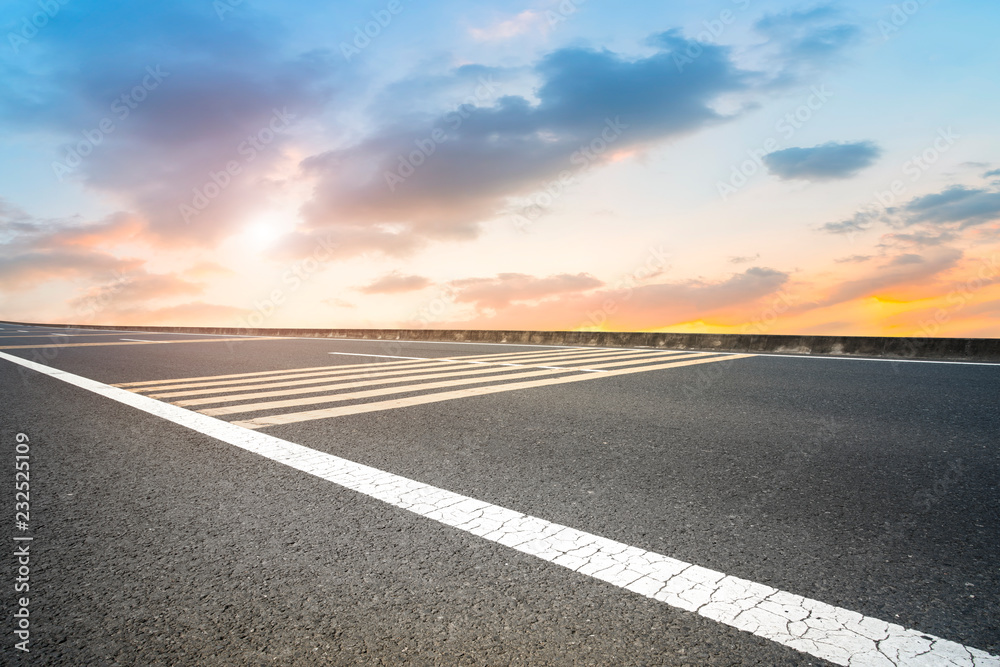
[
  {"x": 395, "y": 283},
  {"x": 517, "y": 301}
]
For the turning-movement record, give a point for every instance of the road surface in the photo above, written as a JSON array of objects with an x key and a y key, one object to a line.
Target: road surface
[{"x": 251, "y": 501}]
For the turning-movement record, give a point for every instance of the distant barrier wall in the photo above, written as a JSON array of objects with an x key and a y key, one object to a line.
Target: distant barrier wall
[{"x": 969, "y": 349}]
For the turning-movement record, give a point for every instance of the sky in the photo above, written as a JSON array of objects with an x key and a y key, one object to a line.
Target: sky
[{"x": 736, "y": 166}]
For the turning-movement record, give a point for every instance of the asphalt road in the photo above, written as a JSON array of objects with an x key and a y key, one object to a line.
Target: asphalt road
[{"x": 868, "y": 485}]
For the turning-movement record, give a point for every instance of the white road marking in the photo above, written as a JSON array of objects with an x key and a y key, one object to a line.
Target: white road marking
[
  {"x": 183, "y": 333},
  {"x": 376, "y": 356},
  {"x": 436, "y": 397},
  {"x": 461, "y": 342},
  {"x": 891, "y": 361},
  {"x": 832, "y": 633},
  {"x": 377, "y": 368},
  {"x": 485, "y": 363},
  {"x": 556, "y": 368},
  {"x": 136, "y": 340},
  {"x": 582, "y": 370},
  {"x": 585, "y": 352}
]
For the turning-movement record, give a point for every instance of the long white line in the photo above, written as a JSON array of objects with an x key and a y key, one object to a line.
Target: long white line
[
  {"x": 380, "y": 356},
  {"x": 832, "y": 633},
  {"x": 459, "y": 360},
  {"x": 891, "y": 361},
  {"x": 465, "y": 342}
]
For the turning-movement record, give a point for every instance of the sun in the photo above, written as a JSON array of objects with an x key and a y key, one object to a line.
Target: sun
[
  {"x": 263, "y": 233},
  {"x": 265, "y": 230}
]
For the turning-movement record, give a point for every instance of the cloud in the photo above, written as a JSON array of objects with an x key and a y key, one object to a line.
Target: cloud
[
  {"x": 38, "y": 251},
  {"x": 524, "y": 22},
  {"x": 907, "y": 258},
  {"x": 854, "y": 259},
  {"x": 907, "y": 270},
  {"x": 181, "y": 92},
  {"x": 440, "y": 177},
  {"x": 13, "y": 217},
  {"x": 345, "y": 241},
  {"x": 507, "y": 288},
  {"x": 804, "y": 40},
  {"x": 26, "y": 270},
  {"x": 138, "y": 287},
  {"x": 648, "y": 306},
  {"x": 776, "y": 23},
  {"x": 918, "y": 239},
  {"x": 697, "y": 296},
  {"x": 338, "y": 303},
  {"x": 938, "y": 217},
  {"x": 957, "y": 205},
  {"x": 744, "y": 260},
  {"x": 395, "y": 283},
  {"x": 992, "y": 173},
  {"x": 859, "y": 222},
  {"x": 182, "y": 159},
  {"x": 825, "y": 162},
  {"x": 34, "y": 250}
]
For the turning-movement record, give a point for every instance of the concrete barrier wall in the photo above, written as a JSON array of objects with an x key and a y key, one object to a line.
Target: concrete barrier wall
[{"x": 968, "y": 349}]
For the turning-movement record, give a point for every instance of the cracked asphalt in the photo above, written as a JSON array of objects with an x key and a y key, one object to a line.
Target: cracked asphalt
[{"x": 867, "y": 485}]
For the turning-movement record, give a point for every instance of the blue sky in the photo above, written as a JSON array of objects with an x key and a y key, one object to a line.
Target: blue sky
[{"x": 725, "y": 166}]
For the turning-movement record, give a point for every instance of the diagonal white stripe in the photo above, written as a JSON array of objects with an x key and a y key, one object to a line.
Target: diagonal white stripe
[
  {"x": 454, "y": 366},
  {"x": 839, "y": 635}
]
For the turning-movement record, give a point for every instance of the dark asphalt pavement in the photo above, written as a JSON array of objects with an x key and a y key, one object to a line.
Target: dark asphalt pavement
[{"x": 869, "y": 485}]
